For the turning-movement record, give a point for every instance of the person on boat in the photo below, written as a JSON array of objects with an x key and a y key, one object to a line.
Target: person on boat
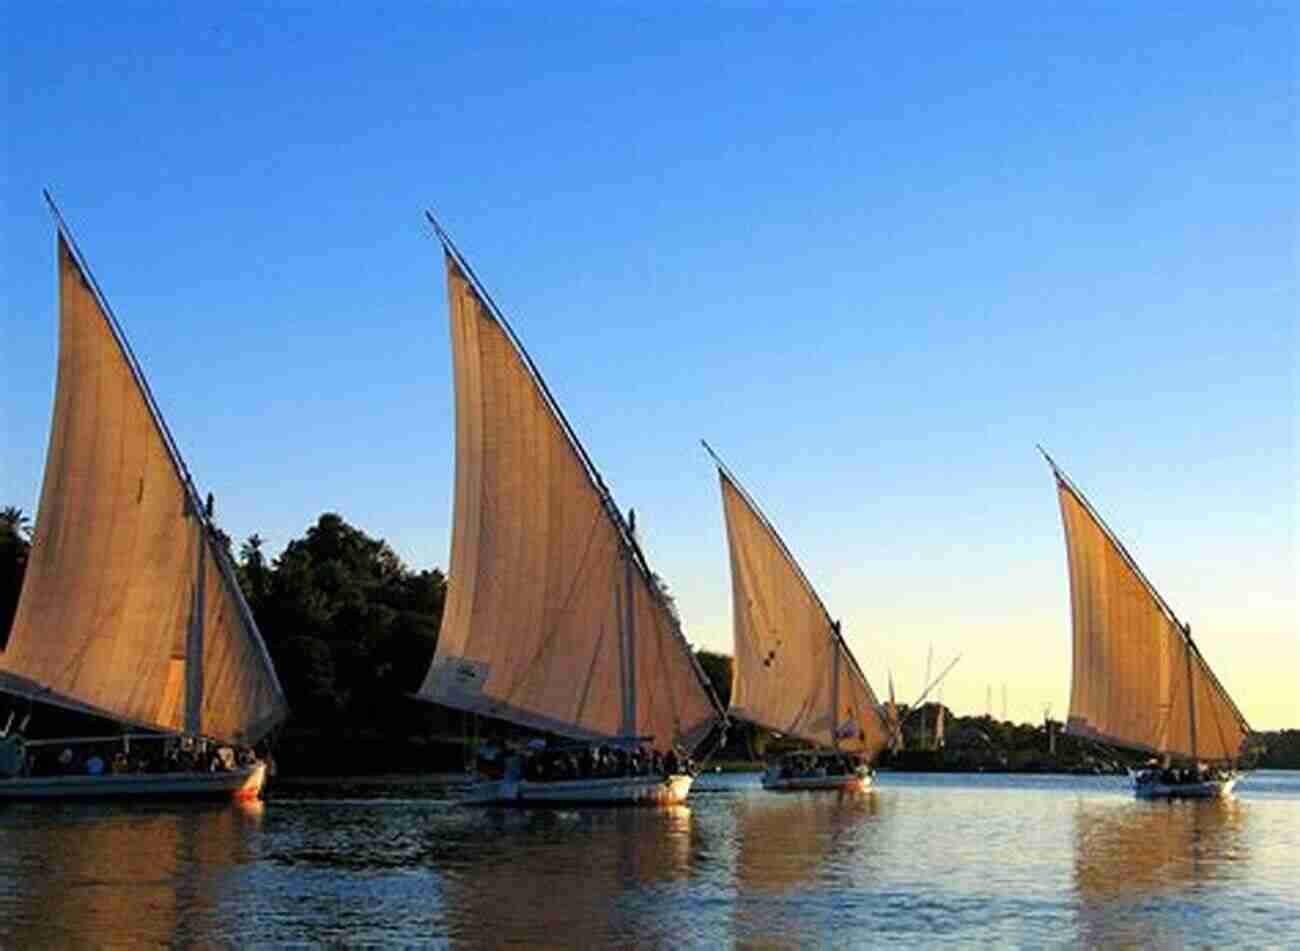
[
  {"x": 488, "y": 760},
  {"x": 13, "y": 757}
]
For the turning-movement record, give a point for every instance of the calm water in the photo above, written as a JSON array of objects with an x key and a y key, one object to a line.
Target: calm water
[{"x": 923, "y": 860}]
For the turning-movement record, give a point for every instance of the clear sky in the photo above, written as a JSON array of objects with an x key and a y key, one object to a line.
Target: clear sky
[{"x": 873, "y": 256}]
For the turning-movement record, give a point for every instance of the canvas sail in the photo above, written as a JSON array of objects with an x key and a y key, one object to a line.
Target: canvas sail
[
  {"x": 552, "y": 620},
  {"x": 793, "y": 672},
  {"x": 128, "y": 608},
  {"x": 1138, "y": 680}
]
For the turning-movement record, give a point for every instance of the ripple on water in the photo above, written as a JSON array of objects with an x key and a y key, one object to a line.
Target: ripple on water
[{"x": 921, "y": 860}]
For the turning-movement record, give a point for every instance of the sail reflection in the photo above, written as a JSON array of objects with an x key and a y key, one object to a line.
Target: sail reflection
[
  {"x": 581, "y": 878},
  {"x": 93, "y": 870},
  {"x": 1126, "y": 856},
  {"x": 787, "y": 841},
  {"x": 796, "y": 848}
]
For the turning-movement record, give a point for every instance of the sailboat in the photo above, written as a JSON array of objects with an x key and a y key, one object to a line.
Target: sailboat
[
  {"x": 1139, "y": 680},
  {"x": 554, "y": 621},
  {"x": 130, "y": 609},
  {"x": 794, "y": 673}
]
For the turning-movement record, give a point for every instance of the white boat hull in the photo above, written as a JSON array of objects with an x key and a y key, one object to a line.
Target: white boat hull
[
  {"x": 241, "y": 784},
  {"x": 1210, "y": 789},
  {"x": 852, "y": 782},
  {"x": 613, "y": 791}
]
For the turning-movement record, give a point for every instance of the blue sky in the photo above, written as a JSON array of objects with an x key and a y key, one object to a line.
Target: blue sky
[{"x": 872, "y": 256}]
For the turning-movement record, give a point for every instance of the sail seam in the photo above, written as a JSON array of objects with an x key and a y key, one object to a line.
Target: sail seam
[
  {"x": 1182, "y": 638},
  {"x": 837, "y": 639},
  {"x": 173, "y": 450},
  {"x": 622, "y": 530}
]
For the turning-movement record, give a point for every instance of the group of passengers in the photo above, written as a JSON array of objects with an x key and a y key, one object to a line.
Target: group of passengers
[
  {"x": 542, "y": 763},
  {"x": 1183, "y": 775},
  {"x": 812, "y": 765},
  {"x": 169, "y": 755}
]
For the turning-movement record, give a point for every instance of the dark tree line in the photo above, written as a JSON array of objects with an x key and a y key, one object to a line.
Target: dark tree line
[
  {"x": 348, "y": 625},
  {"x": 351, "y": 631},
  {"x": 15, "y": 543}
]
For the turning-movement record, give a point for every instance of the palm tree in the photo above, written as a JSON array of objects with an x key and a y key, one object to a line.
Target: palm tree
[{"x": 14, "y": 522}]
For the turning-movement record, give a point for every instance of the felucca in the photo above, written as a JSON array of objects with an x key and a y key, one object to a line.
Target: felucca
[
  {"x": 794, "y": 673},
  {"x": 554, "y": 621},
  {"x": 1139, "y": 680},
  {"x": 129, "y": 609}
]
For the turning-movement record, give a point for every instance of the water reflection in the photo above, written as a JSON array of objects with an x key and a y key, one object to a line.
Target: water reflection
[
  {"x": 802, "y": 857},
  {"x": 582, "y": 878},
  {"x": 79, "y": 871},
  {"x": 1129, "y": 856},
  {"x": 980, "y": 861},
  {"x": 791, "y": 840}
]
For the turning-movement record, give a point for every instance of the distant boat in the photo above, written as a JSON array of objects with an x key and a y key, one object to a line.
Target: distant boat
[
  {"x": 129, "y": 609},
  {"x": 1139, "y": 680},
  {"x": 554, "y": 620},
  {"x": 794, "y": 673}
]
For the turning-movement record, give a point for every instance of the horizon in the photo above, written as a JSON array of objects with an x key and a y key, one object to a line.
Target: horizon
[{"x": 747, "y": 255}]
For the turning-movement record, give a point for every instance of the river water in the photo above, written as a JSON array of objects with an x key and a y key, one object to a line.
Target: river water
[{"x": 923, "y": 860}]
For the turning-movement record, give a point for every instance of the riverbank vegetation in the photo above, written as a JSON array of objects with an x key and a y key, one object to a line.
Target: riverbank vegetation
[{"x": 351, "y": 630}]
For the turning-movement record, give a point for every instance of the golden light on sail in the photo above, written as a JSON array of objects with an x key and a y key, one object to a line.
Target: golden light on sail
[
  {"x": 543, "y": 587},
  {"x": 122, "y": 573},
  {"x": 793, "y": 673},
  {"x": 1137, "y": 681}
]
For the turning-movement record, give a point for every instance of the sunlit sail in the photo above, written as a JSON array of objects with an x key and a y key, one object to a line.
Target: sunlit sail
[
  {"x": 130, "y": 608},
  {"x": 1139, "y": 680},
  {"x": 794, "y": 673},
  {"x": 554, "y": 620}
]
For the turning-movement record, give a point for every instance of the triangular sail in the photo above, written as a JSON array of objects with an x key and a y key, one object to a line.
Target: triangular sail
[
  {"x": 793, "y": 672},
  {"x": 552, "y": 619},
  {"x": 129, "y": 607},
  {"x": 1133, "y": 661}
]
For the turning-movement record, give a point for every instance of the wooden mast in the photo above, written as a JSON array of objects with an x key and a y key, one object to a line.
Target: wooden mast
[{"x": 835, "y": 685}]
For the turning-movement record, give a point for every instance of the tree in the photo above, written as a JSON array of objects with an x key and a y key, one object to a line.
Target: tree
[
  {"x": 669, "y": 601},
  {"x": 349, "y": 626},
  {"x": 718, "y": 668},
  {"x": 13, "y": 521},
  {"x": 254, "y": 574},
  {"x": 15, "y": 546}
]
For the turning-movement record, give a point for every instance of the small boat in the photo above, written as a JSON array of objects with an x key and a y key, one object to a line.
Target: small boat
[
  {"x": 794, "y": 674},
  {"x": 1139, "y": 680},
  {"x": 650, "y": 790},
  {"x": 554, "y": 621},
  {"x": 130, "y": 610}
]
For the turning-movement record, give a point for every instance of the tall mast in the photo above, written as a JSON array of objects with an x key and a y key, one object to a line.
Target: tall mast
[
  {"x": 835, "y": 684},
  {"x": 194, "y": 640},
  {"x": 1191, "y": 687},
  {"x": 627, "y": 643}
]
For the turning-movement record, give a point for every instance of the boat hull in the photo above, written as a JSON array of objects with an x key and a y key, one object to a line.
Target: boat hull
[
  {"x": 239, "y": 784},
  {"x": 1210, "y": 789},
  {"x": 614, "y": 791},
  {"x": 854, "y": 782}
]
